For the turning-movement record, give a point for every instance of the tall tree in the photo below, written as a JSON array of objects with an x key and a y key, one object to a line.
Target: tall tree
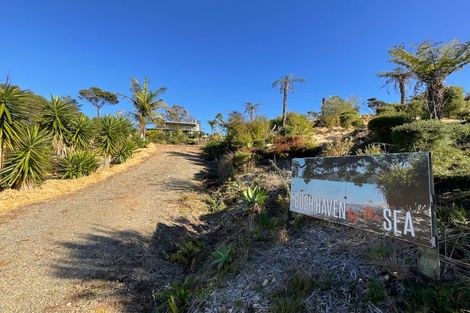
[
  {"x": 177, "y": 113},
  {"x": 56, "y": 117},
  {"x": 251, "y": 109},
  {"x": 212, "y": 124},
  {"x": 286, "y": 84},
  {"x": 98, "y": 97},
  {"x": 146, "y": 103},
  {"x": 399, "y": 78},
  {"x": 431, "y": 64}
]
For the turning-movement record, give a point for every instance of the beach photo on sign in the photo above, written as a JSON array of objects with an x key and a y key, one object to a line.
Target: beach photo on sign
[{"x": 388, "y": 194}]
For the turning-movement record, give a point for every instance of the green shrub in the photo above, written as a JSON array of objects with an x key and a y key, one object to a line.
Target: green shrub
[
  {"x": 223, "y": 257},
  {"x": 448, "y": 144},
  {"x": 418, "y": 135},
  {"x": 350, "y": 119},
  {"x": 376, "y": 292},
  {"x": 254, "y": 197},
  {"x": 28, "y": 163},
  {"x": 339, "y": 147},
  {"x": 287, "y": 304},
  {"x": 124, "y": 152},
  {"x": 243, "y": 160},
  {"x": 381, "y": 125},
  {"x": 390, "y": 108},
  {"x": 187, "y": 251},
  {"x": 214, "y": 149},
  {"x": 371, "y": 149},
  {"x": 297, "y": 125},
  {"x": 178, "y": 298},
  {"x": 436, "y": 297},
  {"x": 140, "y": 142},
  {"x": 77, "y": 164},
  {"x": 334, "y": 107},
  {"x": 291, "y": 298}
]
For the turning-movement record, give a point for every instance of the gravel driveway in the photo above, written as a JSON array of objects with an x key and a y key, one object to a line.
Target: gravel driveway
[{"x": 98, "y": 250}]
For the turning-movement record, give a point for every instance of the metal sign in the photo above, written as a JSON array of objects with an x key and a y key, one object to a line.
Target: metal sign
[{"x": 389, "y": 194}]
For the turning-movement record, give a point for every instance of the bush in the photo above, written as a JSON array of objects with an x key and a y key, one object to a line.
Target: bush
[
  {"x": 223, "y": 257},
  {"x": 297, "y": 125},
  {"x": 28, "y": 164},
  {"x": 243, "y": 160},
  {"x": 350, "y": 119},
  {"x": 438, "y": 297},
  {"x": 390, "y": 108},
  {"x": 248, "y": 134},
  {"x": 77, "y": 164},
  {"x": 187, "y": 252},
  {"x": 334, "y": 107},
  {"x": 371, "y": 149},
  {"x": 376, "y": 292},
  {"x": 124, "y": 152},
  {"x": 447, "y": 142},
  {"x": 339, "y": 147},
  {"x": 419, "y": 135},
  {"x": 214, "y": 149},
  {"x": 381, "y": 125}
]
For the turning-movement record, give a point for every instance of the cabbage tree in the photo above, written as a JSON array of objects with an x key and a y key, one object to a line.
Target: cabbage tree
[
  {"x": 13, "y": 109},
  {"x": 56, "y": 117},
  {"x": 28, "y": 162}
]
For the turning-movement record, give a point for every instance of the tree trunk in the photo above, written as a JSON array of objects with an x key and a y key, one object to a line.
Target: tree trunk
[
  {"x": 402, "y": 92},
  {"x": 435, "y": 99},
  {"x": 284, "y": 107},
  {"x": 107, "y": 162},
  {"x": 142, "y": 131},
  {"x": 97, "y": 111}
]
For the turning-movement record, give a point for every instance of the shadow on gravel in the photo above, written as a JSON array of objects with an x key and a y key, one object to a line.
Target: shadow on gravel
[
  {"x": 133, "y": 267},
  {"x": 132, "y": 264}
]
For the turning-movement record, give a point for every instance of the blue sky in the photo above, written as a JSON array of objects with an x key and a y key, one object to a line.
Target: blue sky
[
  {"x": 213, "y": 56},
  {"x": 336, "y": 190}
]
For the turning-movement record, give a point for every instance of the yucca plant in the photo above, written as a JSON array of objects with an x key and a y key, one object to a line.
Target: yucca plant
[
  {"x": 28, "y": 162},
  {"x": 125, "y": 151},
  {"x": 13, "y": 109},
  {"x": 223, "y": 257},
  {"x": 111, "y": 136},
  {"x": 56, "y": 117},
  {"x": 77, "y": 164},
  {"x": 82, "y": 132}
]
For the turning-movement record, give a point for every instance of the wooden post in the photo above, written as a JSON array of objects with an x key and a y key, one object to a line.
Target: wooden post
[{"x": 429, "y": 263}]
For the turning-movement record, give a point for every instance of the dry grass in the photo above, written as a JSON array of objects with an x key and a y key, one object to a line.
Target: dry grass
[{"x": 11, "y": 199}]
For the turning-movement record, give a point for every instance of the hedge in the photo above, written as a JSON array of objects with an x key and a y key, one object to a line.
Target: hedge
[{"x": 381, "y": 125}]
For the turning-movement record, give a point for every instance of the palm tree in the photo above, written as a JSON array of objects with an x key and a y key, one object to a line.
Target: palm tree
[
  {"x": 28, "y": 163},
  {"x": 431, "y": 64},
  {"x": 146, "y": 103},
  {"x": 251, "y": 109},
  {"x": 212, "y": 124},
  {"x": 399, "y": 78},
  {"x": 56, "y": 117},
  {"x": 13, "y": 109},
  {"x": 286, "y": 84}
]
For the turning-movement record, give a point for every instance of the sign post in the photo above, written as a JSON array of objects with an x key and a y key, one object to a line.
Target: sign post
[{"x": 389, "y": 194}]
